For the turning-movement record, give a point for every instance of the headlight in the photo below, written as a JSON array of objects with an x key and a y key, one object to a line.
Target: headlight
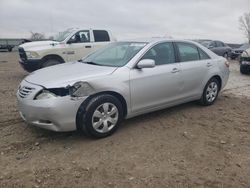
[
  {"x": 45, "y": 94},
  {"x": 31, "y": 55},
  {"x": 81, "y": 89}
]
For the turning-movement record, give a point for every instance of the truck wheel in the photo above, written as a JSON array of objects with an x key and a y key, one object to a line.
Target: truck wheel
[
  {"x": 243, "y": 69},
  {"x": 50, "y": 62},
  {"x": 9, "y": 49}
]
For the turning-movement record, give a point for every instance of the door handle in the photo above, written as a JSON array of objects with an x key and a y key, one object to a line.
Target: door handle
[
  {"x": 175, "y": 70},
  {"x": 209, "y": 64},
  {"x": 87, "y": 46}
]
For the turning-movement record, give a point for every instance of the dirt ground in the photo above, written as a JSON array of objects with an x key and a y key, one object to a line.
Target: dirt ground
[{"x": 184, "y": 146}]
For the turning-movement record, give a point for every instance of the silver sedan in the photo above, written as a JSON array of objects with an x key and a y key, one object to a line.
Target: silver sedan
[{"x": 122, "y": 80}]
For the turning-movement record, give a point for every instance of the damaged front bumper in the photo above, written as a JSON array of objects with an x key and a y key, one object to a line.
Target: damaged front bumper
[{"x": 56, "y": 114}]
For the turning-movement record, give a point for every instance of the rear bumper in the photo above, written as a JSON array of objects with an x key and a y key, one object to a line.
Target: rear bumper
[{"x": 31, "y": 65}]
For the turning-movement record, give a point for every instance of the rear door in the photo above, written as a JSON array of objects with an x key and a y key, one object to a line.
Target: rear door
[
  {"x": 101, "y": 38},
  {"x": 160, "y": 85},
  {"x": 195, "y": 65}
]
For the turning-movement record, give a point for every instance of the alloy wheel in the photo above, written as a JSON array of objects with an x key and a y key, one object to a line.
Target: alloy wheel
[
  {"x": 105, "y": 117},
  {"x": 211, "y": 92}
]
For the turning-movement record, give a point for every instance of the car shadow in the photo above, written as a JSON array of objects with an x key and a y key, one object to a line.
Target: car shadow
[{"x": 126, "y": 124}]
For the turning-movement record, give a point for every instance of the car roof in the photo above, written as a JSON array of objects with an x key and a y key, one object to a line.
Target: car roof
[{"x": 156, "y": 40}]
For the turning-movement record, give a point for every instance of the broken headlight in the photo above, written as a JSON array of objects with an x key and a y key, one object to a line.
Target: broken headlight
[
  {"x": 81, "y": 89},
  {"x": 45, "y": 94},
  {"x": 52, "y": 93}
]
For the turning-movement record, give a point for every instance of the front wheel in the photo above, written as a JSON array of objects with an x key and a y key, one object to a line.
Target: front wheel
[
  {"x": 210, "y": 92},
  {"x": 243, "y": 69},
  {"x": 101, "y": 117},
  {"x": 50, "y": 62}
]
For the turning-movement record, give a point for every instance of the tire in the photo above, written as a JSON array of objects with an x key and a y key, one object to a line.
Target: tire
[
  {"x": 100, "y": 117},
  {"x": 210, "y": 92},
  {"x": 243, "y": 69},
  {"x": 9, "y": 49},
  {"x": 50, "y": 62},
  {"x": 225, "y": 55}
]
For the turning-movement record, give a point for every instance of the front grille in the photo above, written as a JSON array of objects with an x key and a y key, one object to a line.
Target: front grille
[
  {"x": 237, "y": 51},
  {"x": 245, "y": 59},
  {"x": 22, "y": 54},
  {"x": 25, "y": 91}
]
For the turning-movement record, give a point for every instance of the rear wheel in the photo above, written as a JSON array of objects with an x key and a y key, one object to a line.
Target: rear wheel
[
  {"x": 101, "y": 117},
  {"x": 210, "y": 92}
]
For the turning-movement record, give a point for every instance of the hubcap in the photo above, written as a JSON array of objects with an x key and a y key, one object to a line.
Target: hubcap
[
  {"x": 212, "y": 91},
  {"x": 105, "y": 117}
]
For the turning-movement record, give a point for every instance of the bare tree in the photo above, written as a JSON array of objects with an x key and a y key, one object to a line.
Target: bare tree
[
  {"x": 37, "y": 36},
  {"x": 245, "y": 25}
]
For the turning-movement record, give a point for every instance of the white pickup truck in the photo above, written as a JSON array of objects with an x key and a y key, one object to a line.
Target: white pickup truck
[{"x": 70, "y": 45}]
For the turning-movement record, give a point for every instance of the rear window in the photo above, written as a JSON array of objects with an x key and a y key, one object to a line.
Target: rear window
[
  {"x": 188, "y": 52},
  {"x": 203, "y": 55},
  {"x": 101, "y": 36}
]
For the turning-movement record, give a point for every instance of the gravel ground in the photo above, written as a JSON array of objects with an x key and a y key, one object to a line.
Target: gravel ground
[{"x": 184, "y": 146}]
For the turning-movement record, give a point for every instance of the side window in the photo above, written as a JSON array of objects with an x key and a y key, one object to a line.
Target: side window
[
  {"x": 162, "y": 53},
  {"x": 219, "y": 44},
  {"x": 188, "y": 52},
  {"x": 222, "y": 44},
  {"x": 80, "y": 37},
  {"x": 101, "y": 36},
  {"x": 203, "y": 55},
  {"x": 213, "y": 44}
]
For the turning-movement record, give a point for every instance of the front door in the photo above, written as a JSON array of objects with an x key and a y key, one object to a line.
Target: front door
[
  {"x": 152, "y": 87},
  {"x": 78, "y": 46}
]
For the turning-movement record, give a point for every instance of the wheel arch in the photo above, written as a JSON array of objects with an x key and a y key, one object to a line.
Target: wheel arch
[
  {"x": 113, "y": 93},
  {"x": 85, "y": 103},
  {"x": 53, "y": 56},
  {"x": 219, "y": 79}
]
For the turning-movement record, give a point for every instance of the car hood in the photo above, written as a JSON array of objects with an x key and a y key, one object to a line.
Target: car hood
[
  {"x": 246, "y": 53},
  {"x": 37, "y": 45},
  {"x": 67, "y": 74}
]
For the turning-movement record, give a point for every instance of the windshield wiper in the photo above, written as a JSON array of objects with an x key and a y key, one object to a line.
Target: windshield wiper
[{"x": 91, "y": 63}]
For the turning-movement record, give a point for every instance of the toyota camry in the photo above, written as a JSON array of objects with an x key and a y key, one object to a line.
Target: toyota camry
[{"x": 120, "y": 81}]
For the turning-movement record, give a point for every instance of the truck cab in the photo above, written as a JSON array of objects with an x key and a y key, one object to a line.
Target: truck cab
[{"x": 70, "y": 45}]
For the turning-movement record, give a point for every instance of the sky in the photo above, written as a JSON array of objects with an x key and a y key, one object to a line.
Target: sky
[{"x": 182, "y": 19}]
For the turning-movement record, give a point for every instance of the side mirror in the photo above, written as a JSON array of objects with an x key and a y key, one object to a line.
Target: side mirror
[
  {"x": 146, "y": 63},
  {"x": 70, "y": 41}
]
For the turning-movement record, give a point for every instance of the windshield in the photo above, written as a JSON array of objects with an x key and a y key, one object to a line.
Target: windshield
[
  {"x": 115, "y": 55},
  {"x": 61, "y": 36},
  {"x": 245, "y": 46}
]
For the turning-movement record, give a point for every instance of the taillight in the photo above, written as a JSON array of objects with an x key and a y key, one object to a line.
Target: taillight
[{"x": 227, "y": 64}]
